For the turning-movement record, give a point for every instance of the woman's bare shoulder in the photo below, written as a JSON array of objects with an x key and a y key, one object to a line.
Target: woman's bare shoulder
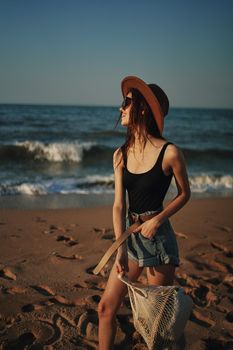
[
  {"x": 117, "y": 158},
  {"x": 173, "y": 148},
  {"x": 174, "y": 152}
]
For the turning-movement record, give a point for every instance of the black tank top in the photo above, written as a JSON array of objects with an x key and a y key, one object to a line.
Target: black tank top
[{"x": 146, "y": 191}]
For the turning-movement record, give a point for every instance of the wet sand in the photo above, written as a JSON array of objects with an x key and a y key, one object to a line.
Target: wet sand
[{"x": 49, "y": 296}]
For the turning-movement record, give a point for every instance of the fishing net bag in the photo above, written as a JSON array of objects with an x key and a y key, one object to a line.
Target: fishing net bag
[{"x": 160, "y": 313}]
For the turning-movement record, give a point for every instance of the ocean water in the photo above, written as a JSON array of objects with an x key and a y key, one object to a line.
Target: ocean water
[{"x": 67, "y": 150}]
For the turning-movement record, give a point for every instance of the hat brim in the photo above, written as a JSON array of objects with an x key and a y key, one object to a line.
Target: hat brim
[{"x": 132, "y": 82}]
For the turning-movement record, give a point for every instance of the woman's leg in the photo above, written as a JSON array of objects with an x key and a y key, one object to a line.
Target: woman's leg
[
  {"x": 110, "y": 303},
  {"x": 162, "y": 275}
]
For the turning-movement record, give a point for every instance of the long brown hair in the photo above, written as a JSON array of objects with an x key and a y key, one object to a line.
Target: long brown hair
[{"x": 141, "y": 121}]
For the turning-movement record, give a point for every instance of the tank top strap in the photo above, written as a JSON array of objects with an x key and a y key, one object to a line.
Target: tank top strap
[
  {"x": 124, "y": 155},
  {"x": 161, "y": 154}
]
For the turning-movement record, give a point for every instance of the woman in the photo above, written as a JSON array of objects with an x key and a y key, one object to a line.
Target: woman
[{"x": 144, "y": 167}]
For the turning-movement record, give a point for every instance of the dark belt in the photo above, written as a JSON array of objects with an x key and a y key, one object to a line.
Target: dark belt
[
  {"x": 142, "y": 217},
  {"x": 138, "y": 220}
]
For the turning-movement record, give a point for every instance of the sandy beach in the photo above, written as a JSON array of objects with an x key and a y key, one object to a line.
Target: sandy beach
[{"x": 49, "y": 296}]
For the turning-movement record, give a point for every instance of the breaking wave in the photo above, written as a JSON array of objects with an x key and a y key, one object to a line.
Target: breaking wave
[
  {"x": 100, "y": 184},
  {"x": 81, "y": 151}
]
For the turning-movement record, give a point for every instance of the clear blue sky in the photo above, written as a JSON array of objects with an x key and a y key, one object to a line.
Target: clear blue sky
[{"x": 77, "y": 52}]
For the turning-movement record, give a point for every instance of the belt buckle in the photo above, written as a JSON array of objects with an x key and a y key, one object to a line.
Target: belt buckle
[{"x": 136, "y": 217}]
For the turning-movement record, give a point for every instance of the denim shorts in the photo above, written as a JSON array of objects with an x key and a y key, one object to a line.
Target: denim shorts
[{"x": 161, "y": 249}]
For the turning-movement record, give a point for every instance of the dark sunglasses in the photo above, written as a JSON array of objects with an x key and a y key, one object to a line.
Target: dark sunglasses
[{"x": 126, "y": 102}]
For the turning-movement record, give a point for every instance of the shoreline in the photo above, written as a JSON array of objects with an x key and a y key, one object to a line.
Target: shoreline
[
  {"x": 49, "y": 295},
  {"x": 69, "y": 201}
]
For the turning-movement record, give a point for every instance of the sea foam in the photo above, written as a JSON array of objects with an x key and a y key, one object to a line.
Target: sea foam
[
  {"x": 100, "y": 184},
  {"x": 57, "y": 151},
  {"x": 210, "y": 183}
]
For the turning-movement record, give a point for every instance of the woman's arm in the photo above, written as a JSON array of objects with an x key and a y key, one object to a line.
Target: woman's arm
[
  {"x": 176, "y": 162},
  {"x": 119, "y": 205},
  {"x": 119, "y": 211}
]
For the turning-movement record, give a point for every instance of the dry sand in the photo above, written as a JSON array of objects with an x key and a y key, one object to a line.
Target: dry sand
[{"x": 49, "y": 296}]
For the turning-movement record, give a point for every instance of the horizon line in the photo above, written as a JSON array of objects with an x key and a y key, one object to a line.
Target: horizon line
[{"x": 98, "y": 105}]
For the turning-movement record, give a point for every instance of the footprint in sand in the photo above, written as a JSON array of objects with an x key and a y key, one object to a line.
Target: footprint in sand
[
  {"x": 199, "y": 296},
  {"x": 6, "y": 322},
  {"x": 39, "y": 219},
  {"x": 215, "y": 279},
  {"x": 39, "y": 306},
  {"x": 201, "y": 291},
  {"x": 63, "y": 238},
  {"x": 108, "y": 236},
  {"x": 24, "y": 341},
  {"x": 70, "y": 241},
  {"x": 106, "y": 233},
  {"x": 90, "y": 269},
  {"x": 225, "y": 228},
  {"x": 228, "y": 281},
  {"x": 33, "y": 335},
  {"x": 79, "y": 286},
  {"x": 93, "y": 299},
  {"x": 14, "y": 290},
  {"x": 201, "y": 319},
  {"x": 203, "y": 296},
  {"x": 45, "y": 290},
  {"x": 87, "y": 327},
  {"x": 186, "y": 280},
  {"x": 104, "y": 272},
  {"x": 8, "y": 274},
  {"x": 220, "y": 343},
  {"x": 102, "y": 230},
  {"x": 54, "y": 227},
  {"x": 228, "y": 252},
  {"x": 59, "y": 299},
  {"x": 56, "y": 299},
  {"x": 227, "y": 266},
  {"x": 206, "y": 261},
  {"x": 70, "y": 257},
  {"x": 229, "y": 316},
  {"x": 95, "y": 284}
]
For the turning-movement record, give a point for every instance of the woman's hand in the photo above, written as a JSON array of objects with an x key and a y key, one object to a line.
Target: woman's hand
[
  {"x": 122, "y": 260},
  {"x": 149, "y": 228}
]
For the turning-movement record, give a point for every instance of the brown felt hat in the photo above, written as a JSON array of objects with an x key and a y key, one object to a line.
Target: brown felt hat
[{"x": 153, "y": 94}]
